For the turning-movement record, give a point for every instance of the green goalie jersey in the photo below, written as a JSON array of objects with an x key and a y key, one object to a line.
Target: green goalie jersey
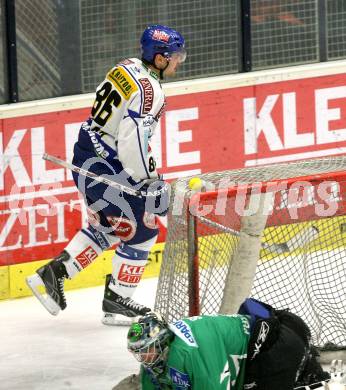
[{"x": 207, "y": 353}]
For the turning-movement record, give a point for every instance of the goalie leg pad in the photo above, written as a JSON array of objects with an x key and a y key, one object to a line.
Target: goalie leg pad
[{"x": 310, "y": 370}]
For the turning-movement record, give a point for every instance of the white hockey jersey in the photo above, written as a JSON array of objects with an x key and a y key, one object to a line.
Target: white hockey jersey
[{"x": 128, "y": 105}]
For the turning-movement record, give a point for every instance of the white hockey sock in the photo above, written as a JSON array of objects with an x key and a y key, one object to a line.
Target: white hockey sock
[
  {"x": 84, "y": 248},
  {"x": 128, "y": 266}
]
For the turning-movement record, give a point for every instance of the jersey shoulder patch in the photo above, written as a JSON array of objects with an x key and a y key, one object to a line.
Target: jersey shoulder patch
[
  {"x": 122, "y": 81},
  {"x": 184, "y": 332},
  {"x": 179, "y": 379}
]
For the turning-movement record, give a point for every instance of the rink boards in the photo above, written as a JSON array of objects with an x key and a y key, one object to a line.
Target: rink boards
[{"x": 209, "y": 125}]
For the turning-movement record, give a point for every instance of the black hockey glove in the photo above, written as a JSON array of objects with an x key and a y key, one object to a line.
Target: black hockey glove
[{"x": 157, "y": 195}]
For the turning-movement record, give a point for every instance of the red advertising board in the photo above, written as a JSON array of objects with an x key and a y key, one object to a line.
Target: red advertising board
[{"x": 199, "y": 132}]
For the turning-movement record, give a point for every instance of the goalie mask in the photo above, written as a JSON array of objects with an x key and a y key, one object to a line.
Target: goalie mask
[
  {"x": 148, "y": 340},
  {"x": 158, "y": 39}
]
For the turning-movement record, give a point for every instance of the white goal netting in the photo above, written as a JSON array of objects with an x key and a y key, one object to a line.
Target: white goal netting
[{"x": 300, "y": 263}]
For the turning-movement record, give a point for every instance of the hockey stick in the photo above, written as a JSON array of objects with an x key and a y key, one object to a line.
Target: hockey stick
[
  {"x": 92, "y": 175},
  {"x": 314, "y": 386},
  {"x": 302, "y": 238}
]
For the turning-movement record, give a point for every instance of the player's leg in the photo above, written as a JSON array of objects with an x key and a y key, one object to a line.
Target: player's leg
[
  {"x": 88, "y": 243},
  {"x": 128, "y": 263},
  {"x": 128, "y": 266},
  {"x": 310, "y": 371},
  {"x": 81, "y": 251}
]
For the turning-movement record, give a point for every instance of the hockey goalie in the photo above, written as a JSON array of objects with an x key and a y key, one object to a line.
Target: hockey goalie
[{"x": 259, "y": 348}]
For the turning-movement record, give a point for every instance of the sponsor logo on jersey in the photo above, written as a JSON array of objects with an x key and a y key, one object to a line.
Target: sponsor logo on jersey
[
  {"x": 86, "y": 257},
  {"x": 148, "y": 120},
  {"x": 123, "y": 228},
  {"x": 99, "y": 148},
  {"x": 179, "y": 379},
  {"x": 130, "y": 273},
  {"x": 148, "y": 92},
  {"x": 246, "y": 324},
  {"x": 122, "y": 81},
  {"x": 183, "y": 331},
  {"x": 160, "y": 35}
]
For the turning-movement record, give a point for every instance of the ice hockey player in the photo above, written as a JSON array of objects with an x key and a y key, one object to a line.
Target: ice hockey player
[
  {"x": 265, "y": 349},
  {"x": 116, "y": 142}
]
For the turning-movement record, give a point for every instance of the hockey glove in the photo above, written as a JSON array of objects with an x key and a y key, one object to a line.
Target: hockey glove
[{"x": 157, "y": 195}]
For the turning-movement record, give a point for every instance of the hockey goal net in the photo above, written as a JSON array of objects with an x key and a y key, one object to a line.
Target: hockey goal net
[{"x": 277, "y": 233}]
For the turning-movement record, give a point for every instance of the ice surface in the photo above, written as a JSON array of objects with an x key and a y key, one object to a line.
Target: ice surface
[{"x": 71, "y": 351}]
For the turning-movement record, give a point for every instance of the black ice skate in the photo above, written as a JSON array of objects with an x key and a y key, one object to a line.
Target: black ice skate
[
  {"x": 114, "y": 304},
  {"x": 51, "y": 276}
]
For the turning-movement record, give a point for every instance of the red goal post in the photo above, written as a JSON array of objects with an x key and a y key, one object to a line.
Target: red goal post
[{"x": 277, "y": 233}]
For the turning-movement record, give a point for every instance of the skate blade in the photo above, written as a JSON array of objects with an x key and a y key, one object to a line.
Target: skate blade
[
  {"x": 111, "y": 319},
  {"x": 48, "y": 303}
]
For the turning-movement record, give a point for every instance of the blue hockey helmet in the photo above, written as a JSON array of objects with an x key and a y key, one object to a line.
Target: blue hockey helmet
[{"x": 158, "y": 39}]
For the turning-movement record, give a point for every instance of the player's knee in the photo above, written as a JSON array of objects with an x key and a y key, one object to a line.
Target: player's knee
[
  {"x": 145, "y": 245},
  {"x": 136, "y": 251},
  {"x": 130, "y": 252},
  {"x": 103, "y": 240}
]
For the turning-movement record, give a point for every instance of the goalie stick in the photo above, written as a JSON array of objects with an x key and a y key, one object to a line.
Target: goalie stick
[
  {"x": 337, "y": 379},
  {"x": 302, "y": 238},
  {"x": 314, "y": 386}
]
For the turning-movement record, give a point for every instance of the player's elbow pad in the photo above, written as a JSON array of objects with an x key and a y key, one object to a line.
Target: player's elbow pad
[{"x": 157, "y": 196}]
